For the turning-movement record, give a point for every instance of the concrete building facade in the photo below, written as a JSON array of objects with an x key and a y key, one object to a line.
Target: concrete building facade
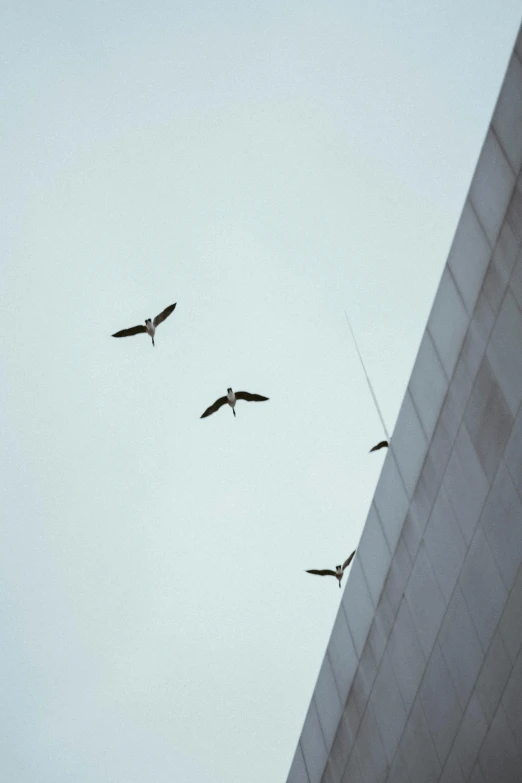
[{"x": 422, "y": 676}]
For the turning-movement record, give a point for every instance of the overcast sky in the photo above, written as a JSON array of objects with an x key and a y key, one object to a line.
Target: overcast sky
[{"x": 265, "y": 165}]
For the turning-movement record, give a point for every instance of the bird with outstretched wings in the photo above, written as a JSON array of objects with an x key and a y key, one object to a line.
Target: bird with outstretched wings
[
  {"x": 150, "y": 325},
  {"x": 231, "y": 398},
  {"x": 339, "y": 570}
]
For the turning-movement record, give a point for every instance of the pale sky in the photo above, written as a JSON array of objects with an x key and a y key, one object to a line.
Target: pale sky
[{"x": 265, "y": 165}]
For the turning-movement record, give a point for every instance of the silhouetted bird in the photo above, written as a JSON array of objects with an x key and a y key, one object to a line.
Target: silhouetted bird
[
  {"x": 231, "y": 399},
  {"x": 382, "y": 445},
  {"x": 150, "y": 326},
  {"x": 339, "y": 570}
]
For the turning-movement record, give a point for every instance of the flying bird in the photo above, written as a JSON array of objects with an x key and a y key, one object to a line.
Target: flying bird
[
  {"x": 231, "y": 398},
  {"x": 339, "y": 570},
  {"x": 382, "y": 445},
  {"x": 150, "y": 325}
]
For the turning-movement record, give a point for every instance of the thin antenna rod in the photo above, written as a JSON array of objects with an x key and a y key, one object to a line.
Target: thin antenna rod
[{"x": 367, "y": 377}]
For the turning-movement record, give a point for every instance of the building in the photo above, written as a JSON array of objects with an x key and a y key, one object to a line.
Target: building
[{"x": 422, "y": 677}]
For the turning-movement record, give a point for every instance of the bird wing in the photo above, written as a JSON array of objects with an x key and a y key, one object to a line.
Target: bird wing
[
  {"x": 215, "y": 407},
  {"x": 324, "y": 572},
  {"x": 382, "y": 445},
  {"x": 250, "y": 397},
  {"x": 131, "y": 331},
  {"x": 347, "y": 562},
  {"x": 165, "y": 314}
]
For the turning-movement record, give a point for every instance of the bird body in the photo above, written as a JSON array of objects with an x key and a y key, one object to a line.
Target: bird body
[
  {"x": 339, "y": 569},
  {"x": 231, "y": 398},
  {"x": 151, "y": 329},
  {"x": 150, "y": 325}
]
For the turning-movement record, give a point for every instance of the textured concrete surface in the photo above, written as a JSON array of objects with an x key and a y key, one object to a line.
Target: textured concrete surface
[{"x": 423, "y": 680}]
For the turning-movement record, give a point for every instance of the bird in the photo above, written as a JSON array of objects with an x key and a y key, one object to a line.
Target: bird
[
  {"x": 382, "y": 445},
  {"x": 231, "y": 398},
  {"x": 150, "y": 325},
  {"x": 339, "y": 570}
]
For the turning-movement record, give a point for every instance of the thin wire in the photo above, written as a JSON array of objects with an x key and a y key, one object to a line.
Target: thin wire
[{"x": 367, "y": 377}]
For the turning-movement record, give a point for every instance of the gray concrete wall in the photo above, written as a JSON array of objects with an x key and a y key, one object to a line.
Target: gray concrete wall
[{"x": 422, "y": 677}]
